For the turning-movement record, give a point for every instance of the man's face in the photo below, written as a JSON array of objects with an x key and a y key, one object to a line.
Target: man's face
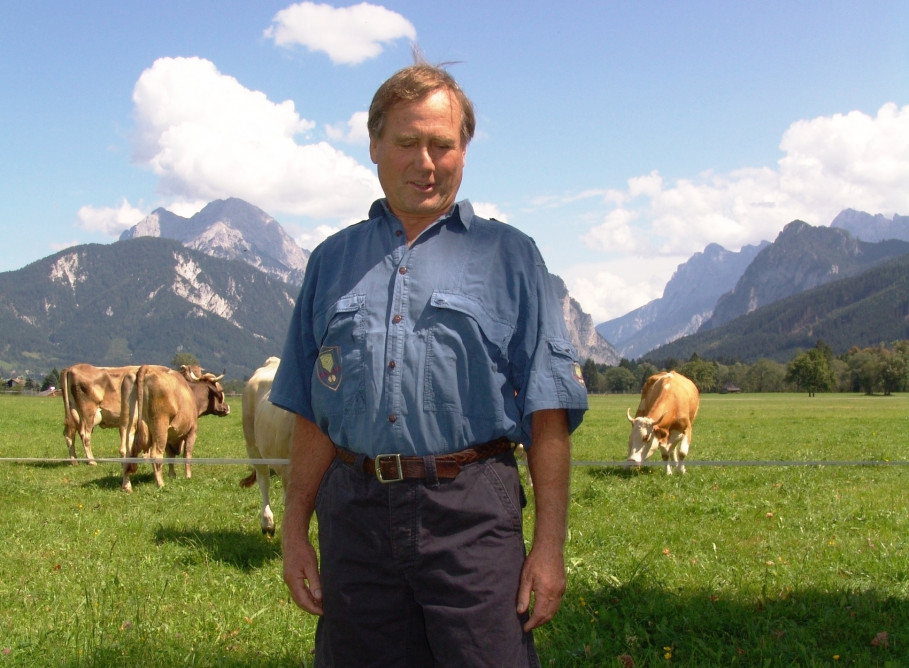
[{"x": 420, "y": 159}]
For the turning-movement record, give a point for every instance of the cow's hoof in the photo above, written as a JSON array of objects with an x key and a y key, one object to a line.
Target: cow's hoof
[
  {"x": 92, "y": 462},
  {"x": 268, "y": 531},
  {"x": 127, "y": 488}
]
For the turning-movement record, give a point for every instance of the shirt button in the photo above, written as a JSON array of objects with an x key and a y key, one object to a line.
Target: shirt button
[
  {"x": 402, "y": 270},
  {"x": 398, "y": 233},
  {"x": 391, "y": 365},
  {"x": 392, "y": 418},
  {"x": 396, "y": 319}
]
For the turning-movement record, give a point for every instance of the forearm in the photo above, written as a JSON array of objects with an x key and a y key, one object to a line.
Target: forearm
[
  {"x": 549, "y": 461},
  {"x": 310, "y": 456},
  {"x": 543, "y": 576}
]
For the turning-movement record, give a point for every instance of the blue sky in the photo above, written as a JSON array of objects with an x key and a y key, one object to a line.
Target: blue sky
[{"x": 623, "y": 136}]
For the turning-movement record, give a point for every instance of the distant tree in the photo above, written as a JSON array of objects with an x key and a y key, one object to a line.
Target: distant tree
[
  {"x": 592, "y": 378},
  {"x": 620, "y": 380},
  {"x": 811, "y": 371},
  {"x": 765, "y": 376},
  {"x": 702, "y": 373},
  {"x": 644, "y": 371},
  {"x": 865, "y": 369},
  {"x": 184, "y": 358},
  {"x": 51, "y": 380},
  {"x": 892, "y": 371}
]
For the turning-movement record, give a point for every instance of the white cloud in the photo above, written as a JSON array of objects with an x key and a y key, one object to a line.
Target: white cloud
[
  {"x": 830, "y": 164},
  {"x": 352, "y": 132},
  {"x": 348, "y": 35},
  {"x": 489, "y": 210},
  {"x": 610, "y": 289},
  {"x": 309, "y": 239},
  {"x": 109, "y": 220},
  {"x": 208, "y": 137}
]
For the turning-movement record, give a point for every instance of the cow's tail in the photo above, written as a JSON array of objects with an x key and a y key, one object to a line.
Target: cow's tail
[
  {"x": 141, "y": 441},
  {"x": 249, "y": 480},
  {"x": 64, "y": 380}
]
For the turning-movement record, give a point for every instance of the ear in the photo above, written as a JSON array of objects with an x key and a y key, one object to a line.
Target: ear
[{"x": 373, "y": 150}]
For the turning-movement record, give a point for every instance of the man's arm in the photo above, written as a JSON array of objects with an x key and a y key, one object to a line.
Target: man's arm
[
  {"x": 310, "y": 457},
  {"x": 549, "y": 461}
]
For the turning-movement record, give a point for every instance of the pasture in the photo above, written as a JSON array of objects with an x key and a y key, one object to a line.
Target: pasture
[{"x": 727, "y": 566}]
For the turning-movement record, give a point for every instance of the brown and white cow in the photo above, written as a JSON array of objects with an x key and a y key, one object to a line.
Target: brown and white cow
[
  {"x": 91, "y": 398},
  {"x": 669, "y": 404},
  {"x": 269, "y": 431},
  {"x": 160, "y": 409}
]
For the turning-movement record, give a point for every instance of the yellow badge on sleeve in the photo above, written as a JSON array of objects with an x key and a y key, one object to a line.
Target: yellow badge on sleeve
[{"x": 328, "y": 367}]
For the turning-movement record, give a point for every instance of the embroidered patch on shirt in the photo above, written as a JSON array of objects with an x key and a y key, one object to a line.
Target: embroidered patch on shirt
[
  {"x": 329, "y": 367},
  {"x": 578, "y": 374}
]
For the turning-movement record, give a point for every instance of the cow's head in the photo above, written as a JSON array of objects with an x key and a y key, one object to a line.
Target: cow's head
[
  {"x": 209, "y": 393},
  {"x": 644, "y": 437}
]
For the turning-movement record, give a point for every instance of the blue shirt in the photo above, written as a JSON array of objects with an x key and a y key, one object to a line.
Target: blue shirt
[{"x": 428, "y": 349}]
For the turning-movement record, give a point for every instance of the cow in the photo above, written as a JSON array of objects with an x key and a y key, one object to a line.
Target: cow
[
  {"x": 669, "y": 404},
  {"x": 91, "y": 398},
  {"x": 160, "y": 408},
  {"x": 268, "y": 431}
]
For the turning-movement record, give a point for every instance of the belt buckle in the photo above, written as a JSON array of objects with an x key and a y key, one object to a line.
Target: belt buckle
[{"x": 396, "y": 458}]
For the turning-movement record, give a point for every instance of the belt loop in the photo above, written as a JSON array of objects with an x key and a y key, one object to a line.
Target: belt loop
[
  {"x": 432, "y": 475},
  {"x": 359, "y": 461}
]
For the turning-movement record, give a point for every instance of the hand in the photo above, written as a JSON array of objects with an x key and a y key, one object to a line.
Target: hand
[
  {"x": 301, "y": 572},
  {"x": 543, "y": 577}
]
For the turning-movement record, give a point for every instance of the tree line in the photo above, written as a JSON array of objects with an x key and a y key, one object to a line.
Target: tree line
[{"x": 880, "y": 369}]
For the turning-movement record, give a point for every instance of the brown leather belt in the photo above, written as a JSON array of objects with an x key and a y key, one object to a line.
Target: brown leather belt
[{"x": 395, "y": 467}]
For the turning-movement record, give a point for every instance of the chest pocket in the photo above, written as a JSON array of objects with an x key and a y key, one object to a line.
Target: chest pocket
[
  {"x": 466, "y": 356},
  {"x": 339, "y": 376}
]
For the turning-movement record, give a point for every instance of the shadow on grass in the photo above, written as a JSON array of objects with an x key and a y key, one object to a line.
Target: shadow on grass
[
  {"x": 245, "y": 551},
  {"x": 601, "y": 472},
  {"x": 656, "y": 626},
  {"x": 113, "y": 481}
]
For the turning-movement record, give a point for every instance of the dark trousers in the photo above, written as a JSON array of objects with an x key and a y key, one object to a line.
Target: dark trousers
[{"x": 422, "y": 572}]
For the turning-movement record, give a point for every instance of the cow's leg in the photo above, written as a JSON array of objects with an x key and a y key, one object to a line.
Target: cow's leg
[
  {"x": 69, "y": 433},
  {"x": 666, "y": 452},
  {"x": 682, "y": 450},
  {"x": 158, "y": 444},
  {"x": 172, "y": 452},
  {"x": 189, "y": 443},
  {"x": 268, "y": 517}
]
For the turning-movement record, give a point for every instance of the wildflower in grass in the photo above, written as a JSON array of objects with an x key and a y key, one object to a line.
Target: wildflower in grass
[
  {"x": 626, "y": 660},
  {"x": 667, "y": 653},
  {"x": 836, "y": 657},
  {"x": 7, "y": 650}
]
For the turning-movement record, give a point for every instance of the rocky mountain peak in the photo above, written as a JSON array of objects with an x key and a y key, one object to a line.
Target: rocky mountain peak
[{"x": 230, "y": 229}]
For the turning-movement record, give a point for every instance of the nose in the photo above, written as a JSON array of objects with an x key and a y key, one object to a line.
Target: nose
[{"x": 424, "y": 159}]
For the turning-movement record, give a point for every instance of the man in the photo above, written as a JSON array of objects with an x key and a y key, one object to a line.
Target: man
[{"x": 424, "y": 342}]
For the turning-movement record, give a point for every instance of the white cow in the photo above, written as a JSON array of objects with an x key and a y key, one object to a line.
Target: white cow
[{"x": 269, "y": 432}]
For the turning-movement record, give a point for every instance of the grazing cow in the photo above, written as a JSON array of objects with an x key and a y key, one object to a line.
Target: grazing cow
[
  {"x": 669, "y": 404},
  {"x": 91, "y": 398},
  {"x": 269, "y": 431},
  {"x": 160, "y": 409}
]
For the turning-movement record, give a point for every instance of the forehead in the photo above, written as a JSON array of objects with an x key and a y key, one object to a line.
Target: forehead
[{"x": 437, "y": 113}]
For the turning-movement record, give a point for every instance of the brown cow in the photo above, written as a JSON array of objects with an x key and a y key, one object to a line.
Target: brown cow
[
  {"x": 91, "y": 398},
  {"x": 669, "y": 404},
  {"x": 269, "y": 431},
  {"x": 160, "y": 409}
]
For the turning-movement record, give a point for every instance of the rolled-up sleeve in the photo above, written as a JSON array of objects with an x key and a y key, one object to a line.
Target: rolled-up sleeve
[
  {"x": 291, "y": 389},
  {"x": 552, "y": 378}
]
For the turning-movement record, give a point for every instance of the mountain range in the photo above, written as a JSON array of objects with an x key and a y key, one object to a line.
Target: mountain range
[
  {"x": 718, "y": 286},
  {"x": 219, "y": 285}
]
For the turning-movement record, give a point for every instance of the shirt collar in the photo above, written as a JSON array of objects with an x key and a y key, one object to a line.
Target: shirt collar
[{"x": 461, "y": 212}]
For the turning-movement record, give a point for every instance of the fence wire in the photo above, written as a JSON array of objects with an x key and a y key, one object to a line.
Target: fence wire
[{"x": 227, "y": 461}]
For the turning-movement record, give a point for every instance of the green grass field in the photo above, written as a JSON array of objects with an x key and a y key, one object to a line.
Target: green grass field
[{"x": 728, "y": 566}]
